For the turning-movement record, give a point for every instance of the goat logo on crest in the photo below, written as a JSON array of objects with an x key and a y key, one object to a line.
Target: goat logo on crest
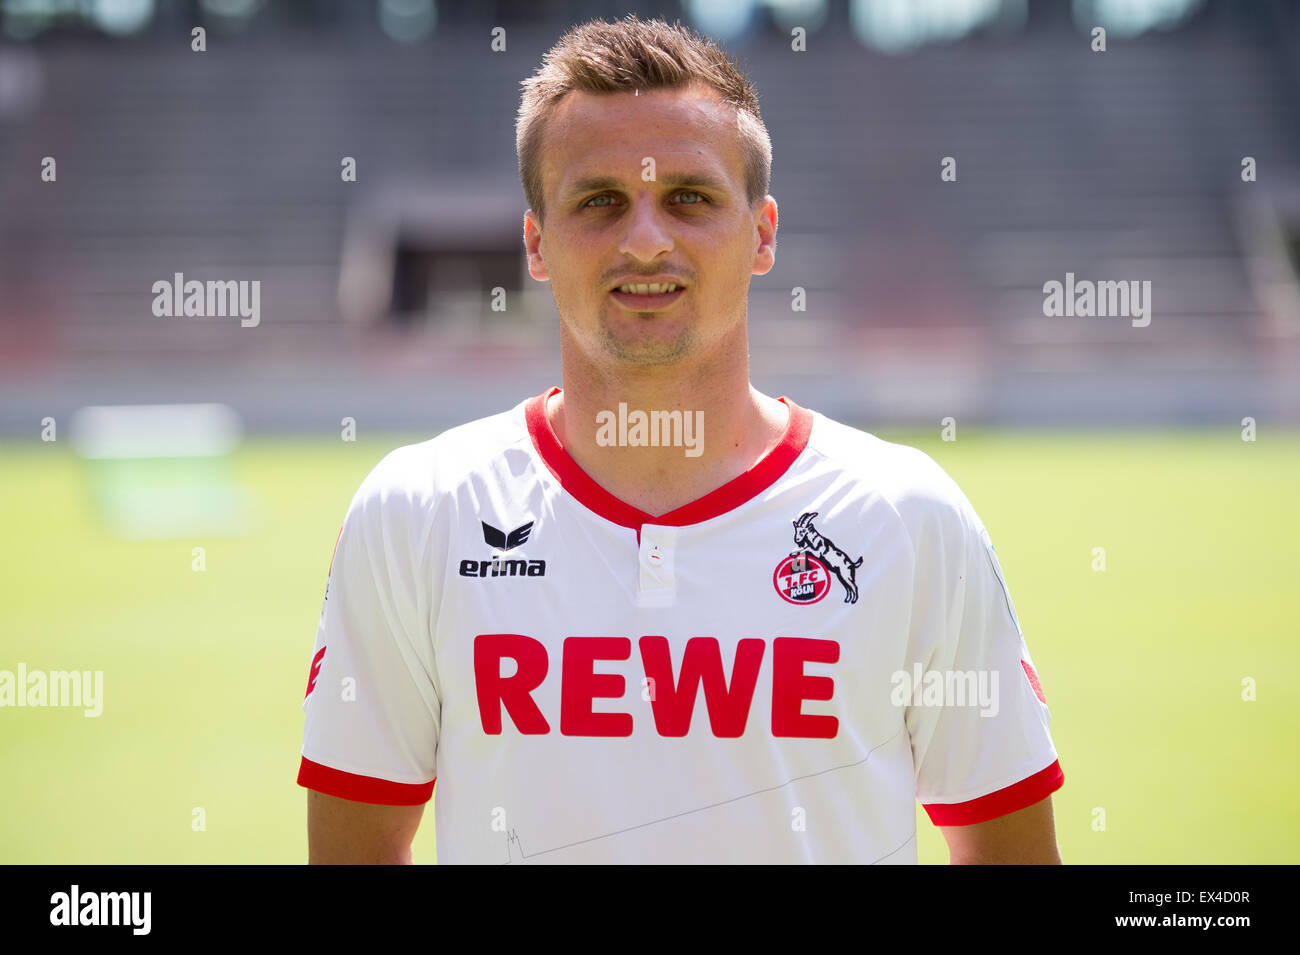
[{"x": 805, "y": 575}]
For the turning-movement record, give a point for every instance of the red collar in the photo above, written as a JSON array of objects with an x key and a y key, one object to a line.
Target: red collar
[{"x": 731, "y": 495}]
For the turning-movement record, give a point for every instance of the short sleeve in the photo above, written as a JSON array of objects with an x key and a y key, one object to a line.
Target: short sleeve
[
  {"x": 976, "y": 713},
  {"x": 372, "y": 706}
]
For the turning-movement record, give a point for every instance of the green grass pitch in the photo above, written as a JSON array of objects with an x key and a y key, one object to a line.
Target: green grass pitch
[{"x": 1143, "y": 664}]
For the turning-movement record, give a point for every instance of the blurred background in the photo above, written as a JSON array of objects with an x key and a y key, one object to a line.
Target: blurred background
[
  {"x": 924, "y": 297},
  {"x": 172, "y": 486}
]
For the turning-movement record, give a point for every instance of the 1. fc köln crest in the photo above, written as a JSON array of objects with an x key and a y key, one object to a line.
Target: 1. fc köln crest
[{"x": 804, "y": 577}]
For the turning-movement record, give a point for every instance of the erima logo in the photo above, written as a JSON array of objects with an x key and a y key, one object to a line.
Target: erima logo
[
  {"x": 502, "y": 541},
  {"x": 498, "y": 539}
]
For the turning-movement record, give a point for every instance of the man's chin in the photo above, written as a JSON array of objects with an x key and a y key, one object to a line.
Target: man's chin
[
  {"x": 647, "y": 347},
  {"x": 642, "y": 357}
]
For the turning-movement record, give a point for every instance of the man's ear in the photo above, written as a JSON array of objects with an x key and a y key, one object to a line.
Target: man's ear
[
  {"x": 533, "y": 246},
  {"x": 765, "y": 216}
]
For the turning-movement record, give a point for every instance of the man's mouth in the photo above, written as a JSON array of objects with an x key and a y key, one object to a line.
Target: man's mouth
[
  {"x": 650, "y": 288},
  {"x": 648, "y": 296}
]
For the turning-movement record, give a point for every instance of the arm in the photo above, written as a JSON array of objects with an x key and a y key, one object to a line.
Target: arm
[
  {"x": 370, "y": 737},
  {"x": 974, "y": 761},
  {"x": 343, "y": 832},
  {"x": 1024, "y": 837}
]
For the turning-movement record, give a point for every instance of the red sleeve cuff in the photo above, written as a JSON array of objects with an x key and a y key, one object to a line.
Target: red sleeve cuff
[
  {"x": 380, "y": 792},
  {"x": 1017, "y": 796}
]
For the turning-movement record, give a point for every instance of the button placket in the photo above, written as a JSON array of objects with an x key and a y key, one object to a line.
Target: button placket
[{"x": 656, "y": 561}]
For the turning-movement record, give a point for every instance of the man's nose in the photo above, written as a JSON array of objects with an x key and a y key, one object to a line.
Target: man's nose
[{"x": 647, "y": 236}]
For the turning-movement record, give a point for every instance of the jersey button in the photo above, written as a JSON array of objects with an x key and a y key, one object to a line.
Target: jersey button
[{"x": 656, "y": 559}]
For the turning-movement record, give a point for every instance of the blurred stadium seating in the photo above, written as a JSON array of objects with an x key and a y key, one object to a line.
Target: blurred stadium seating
[{"x": 925, "y": 298}]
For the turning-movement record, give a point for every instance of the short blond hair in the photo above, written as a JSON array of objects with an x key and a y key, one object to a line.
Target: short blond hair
[{"x": 628, "y": 55}]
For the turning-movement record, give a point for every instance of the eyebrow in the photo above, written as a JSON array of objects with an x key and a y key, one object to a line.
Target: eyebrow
[{"x": 595, "y": 183}]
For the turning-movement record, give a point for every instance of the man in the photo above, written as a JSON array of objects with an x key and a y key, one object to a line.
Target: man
[{"x": 528, "y": 608}]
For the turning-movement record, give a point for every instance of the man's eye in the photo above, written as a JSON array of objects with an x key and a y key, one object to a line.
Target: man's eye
[{"x": 593, "y": 202}]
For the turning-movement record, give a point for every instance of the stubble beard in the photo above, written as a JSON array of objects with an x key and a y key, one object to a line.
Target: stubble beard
[{"x": 645, "y": 352}]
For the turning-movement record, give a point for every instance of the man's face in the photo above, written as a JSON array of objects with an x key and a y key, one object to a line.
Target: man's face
[{"x": 607, "y": 225}]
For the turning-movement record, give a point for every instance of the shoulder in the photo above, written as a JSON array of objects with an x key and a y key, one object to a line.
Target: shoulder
[
  {"x": 924, "y": 496},
  {"x": 905, "y": 476},
  {"x": 419, "y": 477}
]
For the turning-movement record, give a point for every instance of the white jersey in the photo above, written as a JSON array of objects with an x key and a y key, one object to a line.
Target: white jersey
[{"x": 773, "y": 673}]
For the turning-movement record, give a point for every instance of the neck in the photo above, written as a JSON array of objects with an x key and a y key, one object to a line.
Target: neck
[{"x": 660, "y": 439}]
